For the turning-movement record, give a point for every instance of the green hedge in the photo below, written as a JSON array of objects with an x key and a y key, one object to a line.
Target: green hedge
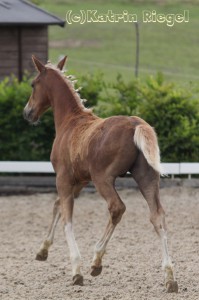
[
  {"x": 18, "y": 140},
  {"x": 173, "y": 111}
]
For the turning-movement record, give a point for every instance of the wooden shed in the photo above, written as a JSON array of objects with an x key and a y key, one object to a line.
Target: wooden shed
[{"x": 23, "y": 32}]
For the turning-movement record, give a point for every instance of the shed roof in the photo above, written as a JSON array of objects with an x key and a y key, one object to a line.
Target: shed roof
[{"x": 20, "y": 12}]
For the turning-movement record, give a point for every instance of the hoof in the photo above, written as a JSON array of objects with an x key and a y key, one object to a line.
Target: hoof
[
  {"x": 42, "y": 255},
  {"x": 95, "y": 271},
  {"x": 172, "y": 286},
  {"x": 78, "y": 279}
]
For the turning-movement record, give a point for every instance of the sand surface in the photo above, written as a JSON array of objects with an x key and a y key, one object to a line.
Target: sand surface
[{"x": 132, "y": 264}]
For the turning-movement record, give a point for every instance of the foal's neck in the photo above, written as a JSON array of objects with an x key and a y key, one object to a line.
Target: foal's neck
[{"x": 64, "y": 101}]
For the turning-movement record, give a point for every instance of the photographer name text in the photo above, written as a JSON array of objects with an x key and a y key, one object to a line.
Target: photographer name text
[{"x": 92, "y": 16}]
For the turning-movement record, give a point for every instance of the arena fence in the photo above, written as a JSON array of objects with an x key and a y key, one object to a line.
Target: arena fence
[{"x": 173, "y": 169}]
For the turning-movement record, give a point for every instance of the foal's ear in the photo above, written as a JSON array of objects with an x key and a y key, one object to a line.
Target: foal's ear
[
  {"x": 62, "y": 63},
  {"x": 38, "y": 65}
]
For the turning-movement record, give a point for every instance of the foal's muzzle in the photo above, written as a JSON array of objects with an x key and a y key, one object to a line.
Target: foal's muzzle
[{"x": 28, "y": 114}]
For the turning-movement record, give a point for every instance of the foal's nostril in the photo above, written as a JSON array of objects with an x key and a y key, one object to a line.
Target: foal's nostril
[
  {"x": 27, "y": 114},
  {"x": 30, "y": 116}
]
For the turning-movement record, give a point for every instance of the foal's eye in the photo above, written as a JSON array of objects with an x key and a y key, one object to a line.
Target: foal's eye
[{"x": 32, "y": 85}]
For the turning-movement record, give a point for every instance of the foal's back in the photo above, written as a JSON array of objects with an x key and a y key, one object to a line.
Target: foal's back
[{"x": 90, "y": 145}]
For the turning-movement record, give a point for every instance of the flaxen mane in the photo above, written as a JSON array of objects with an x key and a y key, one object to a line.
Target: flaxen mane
[{"x": 71, "y": 82}]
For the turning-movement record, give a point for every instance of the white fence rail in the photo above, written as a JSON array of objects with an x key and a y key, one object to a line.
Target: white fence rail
[
  {"x": 26, "y": 167},
  {"x": 181, "y": 168},
  {"x": 46, "y": 167}
]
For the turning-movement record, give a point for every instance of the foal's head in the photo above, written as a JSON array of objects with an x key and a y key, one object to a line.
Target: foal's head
[{"x": 39, "y": 100}]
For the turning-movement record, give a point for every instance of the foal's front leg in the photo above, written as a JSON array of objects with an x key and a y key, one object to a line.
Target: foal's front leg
[
  {"x": 43, "y": 251},
  {"x": 66, "y": 193}
]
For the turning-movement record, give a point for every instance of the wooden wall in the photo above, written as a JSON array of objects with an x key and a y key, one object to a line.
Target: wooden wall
[
  {"x": 8, "y": 51},
  {"x": 34, "y": 41},
  {"x": 17, "y": 44}
]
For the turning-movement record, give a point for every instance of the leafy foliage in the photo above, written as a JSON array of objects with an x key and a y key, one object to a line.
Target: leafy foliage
[
  {"x": 175, "y": 115},
  {"x": 119, "y": 98},
  {"x": 92, "y": 85},
  {"x": 173, "y": 111},
  {"x": 18, "y": 141}
]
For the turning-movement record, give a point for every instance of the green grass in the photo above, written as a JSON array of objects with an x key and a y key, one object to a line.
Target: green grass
[{"x": 110, "y": 47}]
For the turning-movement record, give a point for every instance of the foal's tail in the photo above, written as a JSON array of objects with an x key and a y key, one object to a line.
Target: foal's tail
[{"x": 146, "y": 140}]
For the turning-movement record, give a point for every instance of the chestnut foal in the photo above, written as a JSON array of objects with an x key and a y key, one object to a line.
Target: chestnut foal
[{"x": 87, "y": 148}]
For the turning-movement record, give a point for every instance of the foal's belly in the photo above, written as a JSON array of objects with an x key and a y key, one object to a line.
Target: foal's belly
[{"x": 81, "y": 170}]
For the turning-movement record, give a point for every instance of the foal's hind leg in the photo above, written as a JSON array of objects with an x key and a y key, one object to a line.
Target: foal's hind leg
[
  {"x": 43, "y": 251},
  {"x": 148, "y": 182},
  {"x": 116, "y": 208}
]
